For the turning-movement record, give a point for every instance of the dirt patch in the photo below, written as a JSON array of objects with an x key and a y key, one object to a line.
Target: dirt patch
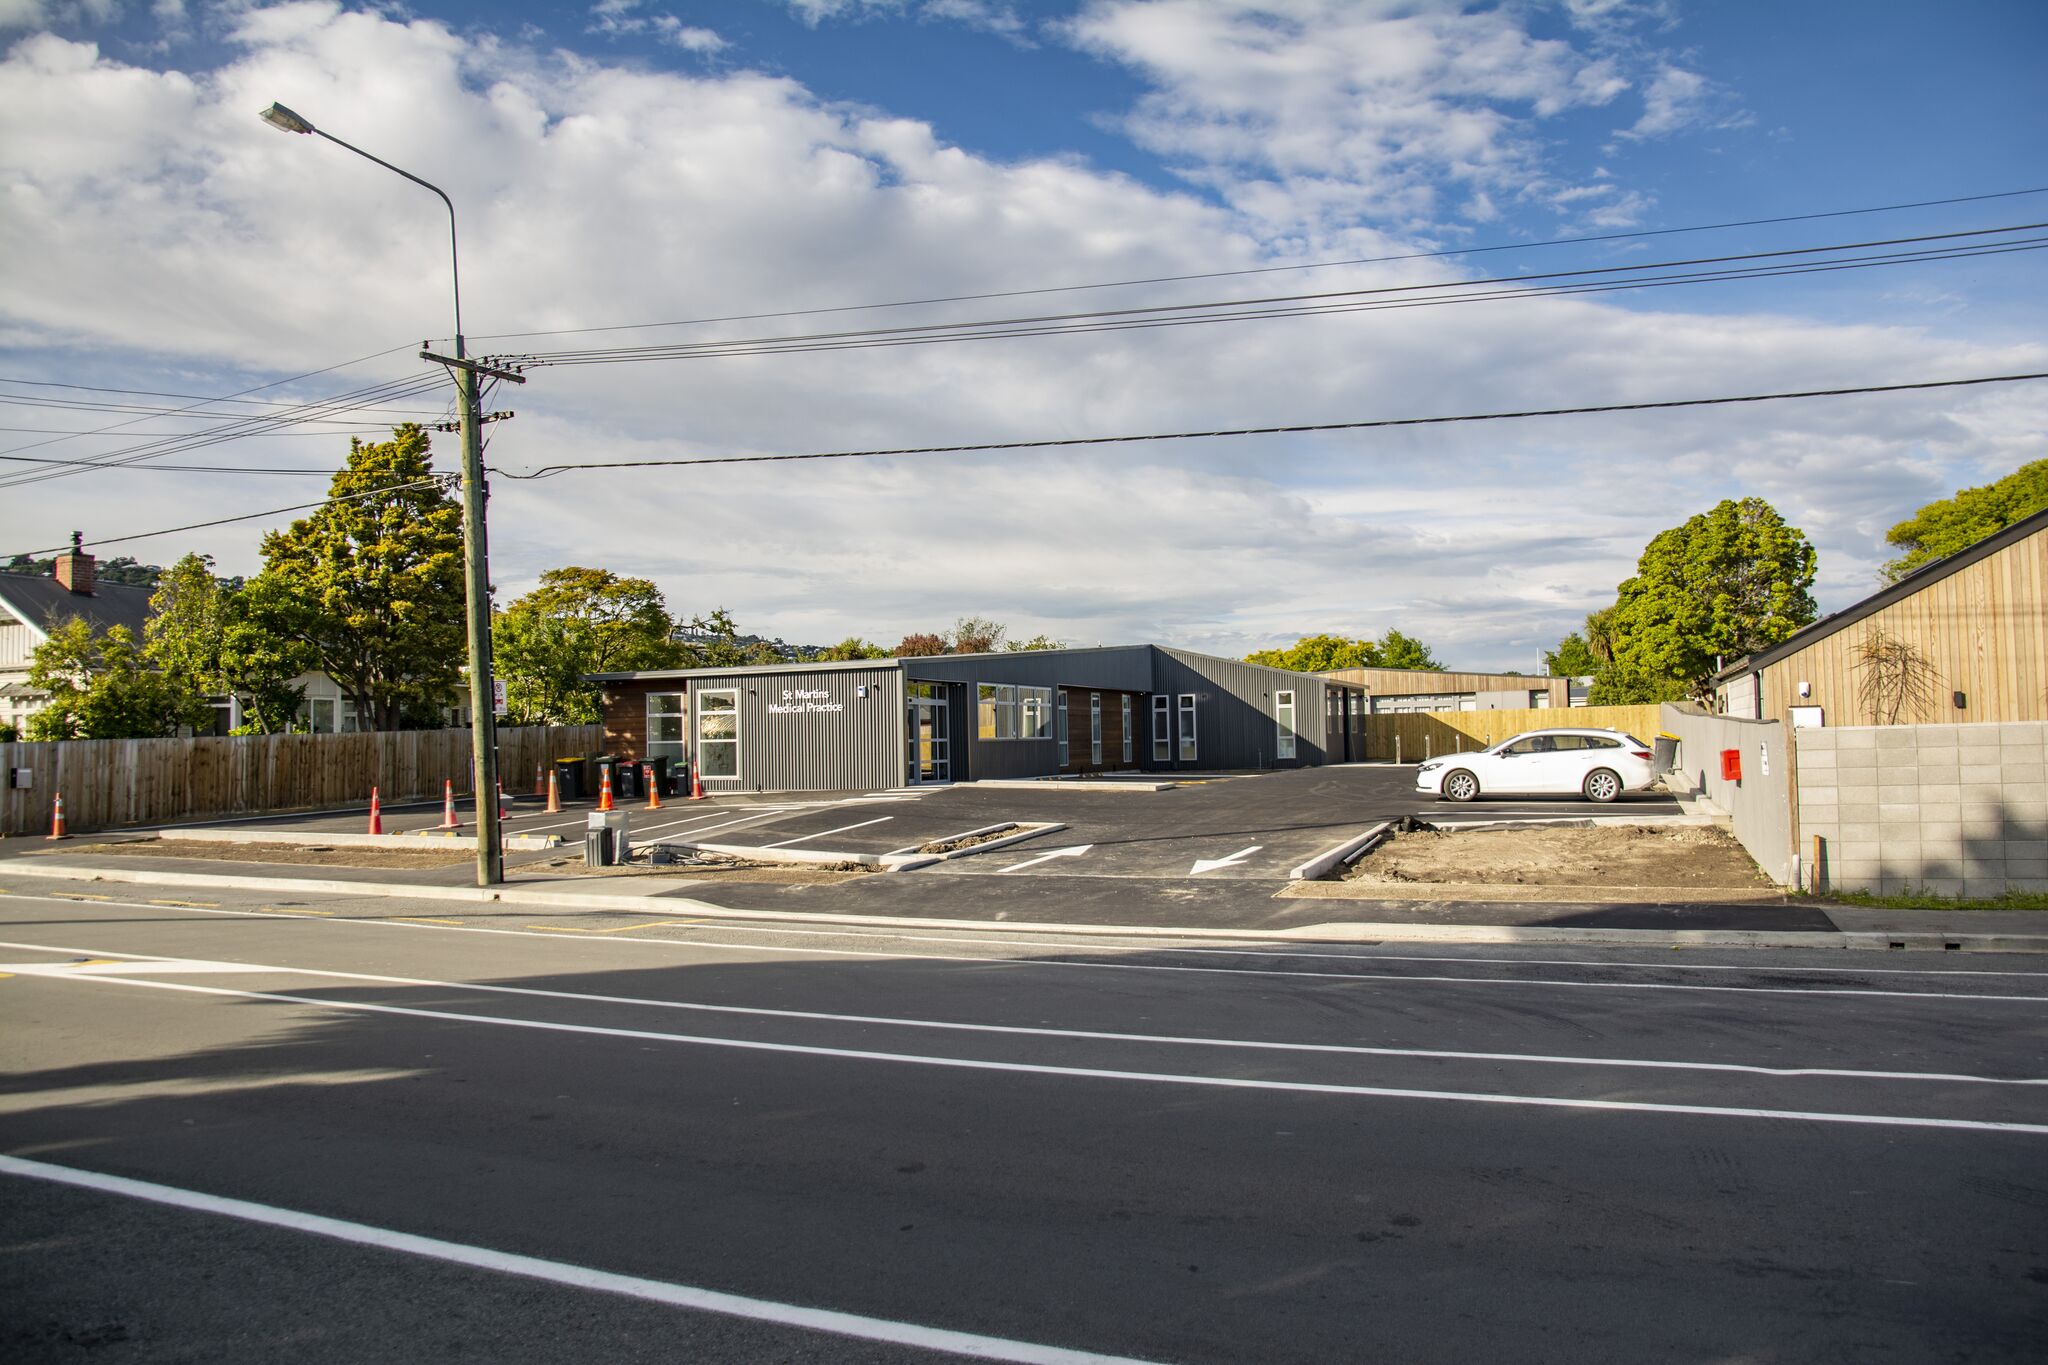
[
  {"x": 709, "y": 868},
  {"x": 1609, "y": 856},
  {"x": 307, "y": 855},
  {"x": 969, "y": 841}
]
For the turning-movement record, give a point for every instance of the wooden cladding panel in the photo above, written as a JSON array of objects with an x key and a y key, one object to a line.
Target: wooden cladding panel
[
  {"x": 1404, "y": 682},
  {"x": 111, "y": 783},
  {"x": 1982, "y": 629},
  {"x": 1425, "y": 734}
]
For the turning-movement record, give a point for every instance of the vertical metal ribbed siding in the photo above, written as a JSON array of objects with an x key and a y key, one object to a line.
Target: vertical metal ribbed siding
[
  {"x": 1234, "y": 723},
  {"x": 859, "y": 748}
]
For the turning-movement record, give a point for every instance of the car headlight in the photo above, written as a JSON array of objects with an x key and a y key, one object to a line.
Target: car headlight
[{"x": 1430, "y": 766}]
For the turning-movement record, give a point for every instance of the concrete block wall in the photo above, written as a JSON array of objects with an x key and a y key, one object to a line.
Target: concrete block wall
[
  {"x": 1959, "y": 810},
  {"x": 1760, "y": 805}
]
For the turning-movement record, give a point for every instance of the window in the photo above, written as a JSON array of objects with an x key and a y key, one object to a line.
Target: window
[
  {"x": 665, "y": 726},
  {"x": 1283, "y": 724},
  {"x": 321, "y": 715},
  {"x": 1127, "y": 727},
  {"x": 1162, "y": 729},
  {"x": 1034, "y": 713},
  {"x": 1095, "y": 729},
  {"x": 1187, "y": 727},
  {"x": 718, "y": 733},
  {"x": 1063, "y": 727}
]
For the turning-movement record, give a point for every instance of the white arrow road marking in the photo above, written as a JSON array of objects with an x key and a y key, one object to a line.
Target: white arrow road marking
[
  {"x": 1211, "y": 864},
  {"x": 1074, "y": 852}
]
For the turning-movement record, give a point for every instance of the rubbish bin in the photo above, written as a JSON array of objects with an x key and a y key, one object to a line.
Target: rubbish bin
[
  {"x": 1666, "y": 753},
  {"x": 625, "y": 779},
  {"x": 569, "y": 778},
  {"x": 607, "y": 838}
]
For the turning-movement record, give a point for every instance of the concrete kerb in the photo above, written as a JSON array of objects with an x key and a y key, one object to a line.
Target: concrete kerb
[
  {"x": 909, "y": 859},
  {"x": 317, "y": 839},
  {"x": 1583, "y": 822},
  {"x": 1325, "y": 862},
  {"x": 1337, "y": 932},
  {"x": 1074, "y": 784}
]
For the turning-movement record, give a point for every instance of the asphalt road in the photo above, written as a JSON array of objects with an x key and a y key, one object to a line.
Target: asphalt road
[{"x": 1144, "y": 1150}]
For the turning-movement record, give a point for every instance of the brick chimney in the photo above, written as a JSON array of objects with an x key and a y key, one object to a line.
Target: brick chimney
[{"x": 74, "y": 567}]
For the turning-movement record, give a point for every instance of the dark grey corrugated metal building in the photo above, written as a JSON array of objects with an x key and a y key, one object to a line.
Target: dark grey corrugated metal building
[{"x": 877, "y": 723}]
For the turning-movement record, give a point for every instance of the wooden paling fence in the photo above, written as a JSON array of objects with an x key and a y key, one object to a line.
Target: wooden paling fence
[
  {"x": 109, "y": 783},
  {"x": 1414, "y": 736}
]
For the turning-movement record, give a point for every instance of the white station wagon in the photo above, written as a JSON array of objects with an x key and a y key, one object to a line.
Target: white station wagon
[{"x": 1597, "y": 764}]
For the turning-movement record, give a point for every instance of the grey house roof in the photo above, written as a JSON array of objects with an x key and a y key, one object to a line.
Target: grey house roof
[
  {"x": 1920, "y": 579},
  {"x": 41, "y": 601}
]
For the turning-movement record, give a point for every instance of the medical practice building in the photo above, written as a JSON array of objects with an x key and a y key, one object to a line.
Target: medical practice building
[{"x": 875, "y": 723}]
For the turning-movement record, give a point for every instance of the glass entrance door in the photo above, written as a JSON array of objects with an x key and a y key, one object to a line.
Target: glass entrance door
[{"x": 930, "y": 741}]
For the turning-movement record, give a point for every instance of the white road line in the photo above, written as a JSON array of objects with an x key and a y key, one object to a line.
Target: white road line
[
  {"x": 1075, "y": 851},
  {"x": 730, "y": 824},
  {"x": 575, "y": 1276},
  {"x": 642, "y": 833},
  {"x": 139, "y": 964},
  {"x": 1046, "y": 962},
  {"x": 880, "y": 819},
  {"x": 1075, "y": 1072}
]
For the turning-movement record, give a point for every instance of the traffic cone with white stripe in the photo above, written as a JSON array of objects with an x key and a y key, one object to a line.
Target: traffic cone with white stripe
[
  {"x": 604, "y": 787},
  {"x": 696, "y": 785},
  {"x": 376, "y": 813},
  {"x": 501, "y": 801},
  {"x": 653, "y": 787},
  {"x": 540, "y": 782},
  {"x": 57, "y": 819},
  {"x": 448, "y": 820}
]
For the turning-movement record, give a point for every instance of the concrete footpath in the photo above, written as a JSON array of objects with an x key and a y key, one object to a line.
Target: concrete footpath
[{"x": 1090, "y": 906}]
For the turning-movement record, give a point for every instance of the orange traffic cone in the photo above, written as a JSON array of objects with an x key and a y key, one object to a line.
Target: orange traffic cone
[
  {"x": 540, "y": 783},
  {"x": 696, "y": 786},
  {"x": 554, "y": 794},
  {"x": 376, "y": 813},
  {"x": 448, "y": 820},
  {"x": 653, "y": 787},
  {"x": 604, "y": 788},
  {"x": 501, "y": 801},
  {"x": 57, "y": 819}
]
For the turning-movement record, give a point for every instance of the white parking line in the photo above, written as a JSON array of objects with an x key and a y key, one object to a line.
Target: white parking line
[
  {"x": 1079, "y": 1072},
  {"x": 823, "y": 832},
  {"x": 574, "y": 1276}
]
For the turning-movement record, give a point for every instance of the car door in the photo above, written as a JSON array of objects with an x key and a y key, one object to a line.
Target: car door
[{"x": 1517, "y": 768}]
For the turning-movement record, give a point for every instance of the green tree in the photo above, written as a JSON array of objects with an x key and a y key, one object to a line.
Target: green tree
[
  {"x": 102, "y": 687},
  {"x": 1727, "y": 583},
  {"x": 1943, "y": 528},
  {"x": 852, "y": 647},
  {"x": 1402, "y": 651},
  {"x": 1319, "y": 654},
  {"x": 977, "y": 635},
  {"x": 1036, "y": 642},
  {"x": 578, "y": 621},
  {"x": 213, "y": 639},
  {"x": 1573, "y": 658},
  {"x": 371, "y": 584}
]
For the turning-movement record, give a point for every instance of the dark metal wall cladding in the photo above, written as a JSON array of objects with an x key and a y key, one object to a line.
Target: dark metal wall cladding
[
  {"x": 1235, "y": 725},
  {"x": 859, "y": 748},
  {"x": 1123, "y": 668}
]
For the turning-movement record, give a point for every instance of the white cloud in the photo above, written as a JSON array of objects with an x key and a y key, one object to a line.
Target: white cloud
[
  {"x": 620, "y": 19},
  {"x": 1676, "y": 100},
  {"x": 179, "y": 245},
  {"x": 53, "y": 13}
]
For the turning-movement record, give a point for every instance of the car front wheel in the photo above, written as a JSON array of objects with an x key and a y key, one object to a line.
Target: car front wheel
[
  {"x": 1602, "y": 785},
  {"x": 1460, "y": 785}
]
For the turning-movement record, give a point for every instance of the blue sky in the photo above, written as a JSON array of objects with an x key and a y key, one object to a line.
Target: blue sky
[{"x": 641, "y": 162}]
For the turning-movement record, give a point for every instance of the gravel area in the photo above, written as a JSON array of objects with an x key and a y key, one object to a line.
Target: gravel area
[{"x": 1613, "y": 856}]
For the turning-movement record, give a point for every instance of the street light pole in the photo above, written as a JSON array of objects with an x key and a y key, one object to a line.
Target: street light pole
[{"x": 490, "y": 853}]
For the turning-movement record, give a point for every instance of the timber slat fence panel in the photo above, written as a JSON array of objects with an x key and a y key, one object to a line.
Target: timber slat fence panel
[
  {"x": 1415, "y": 735},
  {"x": 112, "y": 783}
]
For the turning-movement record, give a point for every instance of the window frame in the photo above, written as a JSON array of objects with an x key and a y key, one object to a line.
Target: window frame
[
  {"x": 1283, "y": 725},
  {"x": 1061, "y": 706},
  {"x": 674, "y": 749},
  {"x": 700, "y": 742},
  {"x": 1162, "y": 727},
  {"x": 1095, "y": 729},
  {"x": 1127, "y": 726},
  {"x": 1188, "y": 750}
]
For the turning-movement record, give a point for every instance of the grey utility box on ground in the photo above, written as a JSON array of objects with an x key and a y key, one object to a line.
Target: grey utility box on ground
[{"x": 607, "y": 838}]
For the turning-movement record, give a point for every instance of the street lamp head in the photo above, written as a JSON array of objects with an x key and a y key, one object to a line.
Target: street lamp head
[{"x": 284, "y": 120}]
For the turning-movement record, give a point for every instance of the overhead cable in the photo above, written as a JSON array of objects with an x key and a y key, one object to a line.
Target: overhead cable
[{"x": 442, "y": 480}]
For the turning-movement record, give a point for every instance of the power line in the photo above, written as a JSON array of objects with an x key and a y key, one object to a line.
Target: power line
[
  {"x": 548, "y": 471},
  {"x": 1274, "y": 269},
  {"x": 1331, "y": 300},
  {"x": 439, "y": 480},
  {"x": 159, "y": 393}
]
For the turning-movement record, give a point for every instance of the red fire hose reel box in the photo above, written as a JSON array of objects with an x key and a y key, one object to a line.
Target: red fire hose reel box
[{"x": 1731, "y": 765}]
